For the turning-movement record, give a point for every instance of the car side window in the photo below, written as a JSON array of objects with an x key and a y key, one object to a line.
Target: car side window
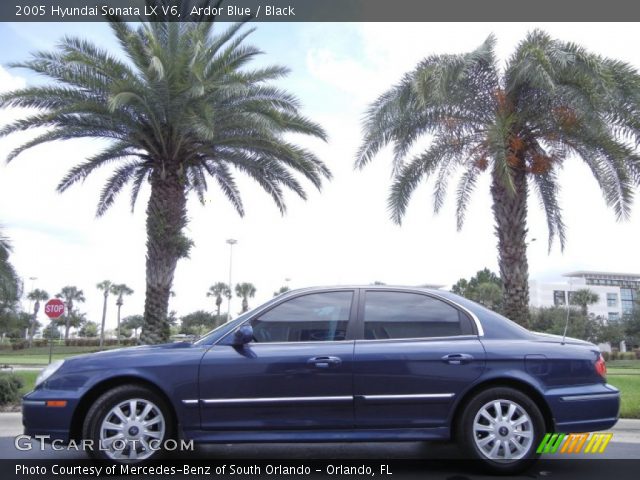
[
  {"x": 309, "y": 318},
  {"x": 389, "y": 315}
]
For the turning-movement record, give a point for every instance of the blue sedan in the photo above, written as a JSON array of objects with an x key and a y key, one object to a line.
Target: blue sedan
[{"x": 334, "y": 364}]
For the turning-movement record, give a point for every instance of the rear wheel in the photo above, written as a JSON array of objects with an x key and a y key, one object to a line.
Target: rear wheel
[
  {"x": 502, "y": 427},
  {"x": 128, "y": 424}
]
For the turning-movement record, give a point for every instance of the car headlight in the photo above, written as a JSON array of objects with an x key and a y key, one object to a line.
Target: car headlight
[{"x": 47, "y": 372}]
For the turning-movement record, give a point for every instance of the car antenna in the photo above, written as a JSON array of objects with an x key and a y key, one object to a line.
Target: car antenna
[{"x": 566, "y": 323}]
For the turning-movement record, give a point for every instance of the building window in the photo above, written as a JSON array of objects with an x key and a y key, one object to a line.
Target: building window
[
  {"x": 612, "y": 299},
  {"x": 628, "y": 297},
  {"x": 559, "y": 298},
  {"x": 614, "y": 316}
]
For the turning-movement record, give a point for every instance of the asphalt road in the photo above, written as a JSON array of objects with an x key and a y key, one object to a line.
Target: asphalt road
[{"x": 440, "y": 459}]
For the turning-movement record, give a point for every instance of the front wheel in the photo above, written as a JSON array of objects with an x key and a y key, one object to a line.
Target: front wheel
[
  {"x": 128, "y": 424},
  {"x": 502, "y": 427}
]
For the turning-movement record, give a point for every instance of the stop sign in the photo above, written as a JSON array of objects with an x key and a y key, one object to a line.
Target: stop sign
[{"x": 54, "y": 308}]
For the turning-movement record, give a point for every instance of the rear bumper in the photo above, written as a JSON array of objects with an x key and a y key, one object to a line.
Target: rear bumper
[{"x": 584, "y": 409}]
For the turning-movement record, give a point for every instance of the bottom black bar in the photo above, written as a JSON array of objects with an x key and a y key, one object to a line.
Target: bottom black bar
[{"x": 555, "y": 468}]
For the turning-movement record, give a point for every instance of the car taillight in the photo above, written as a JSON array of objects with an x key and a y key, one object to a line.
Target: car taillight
[{"x": 601, "y": 367}]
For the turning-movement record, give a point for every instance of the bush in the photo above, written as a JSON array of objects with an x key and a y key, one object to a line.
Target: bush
[
  {"x": 627, "y": 356},
  {"x": 606, "y": 356},
  {"x": 10, "y": 386},
  {"x": 95, "y": 342}
]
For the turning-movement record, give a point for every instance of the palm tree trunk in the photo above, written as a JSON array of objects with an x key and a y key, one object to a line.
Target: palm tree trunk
[
  {"x": 104, "y": 317},
  {"x": 166, "y": 217},
  {"x": 510, "y": 214},
  {"x": 67, "y": 319},
  {"x": 66, "y": 328},
  {"x": 32, "y": 327}
]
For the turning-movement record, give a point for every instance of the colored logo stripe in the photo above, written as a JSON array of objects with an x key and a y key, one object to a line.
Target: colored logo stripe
[
  {"x": 550, "y": 442},
  {"x": 600, "y": 440},
  {"x": 574, "y": 442}
]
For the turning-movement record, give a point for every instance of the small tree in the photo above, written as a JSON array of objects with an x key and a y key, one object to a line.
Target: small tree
[
  {"x": 245, "y": 291},
  {"x": 197, "y": 323},
  {"x": 484, "y": 287},
  {"x": 69, "y": 295},
  {"x": 281, "y": 290},
  {"x": 133, "y": 322},
  {"x": 89, "y": 329},
  {"x": 120, "y": 291},
  {"x": 105, "y": 286},
  {"x": 36, "y": 296},
  {"x": 583, "y": 298},
  {"x": 219, "y": 290}
]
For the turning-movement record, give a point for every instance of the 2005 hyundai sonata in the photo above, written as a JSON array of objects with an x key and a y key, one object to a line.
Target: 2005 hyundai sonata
[{"x": 335, "y": 364}]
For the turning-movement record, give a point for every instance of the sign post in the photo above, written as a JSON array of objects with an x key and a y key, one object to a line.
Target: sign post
[{"x": 53, "y": 309}]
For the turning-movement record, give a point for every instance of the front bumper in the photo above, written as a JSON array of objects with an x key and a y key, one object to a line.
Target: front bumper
[
  {"x": 584, "y": 409},
  {"x": 53, "y": 422}
]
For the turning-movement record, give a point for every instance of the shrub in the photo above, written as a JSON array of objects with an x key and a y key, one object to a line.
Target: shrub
[
  {"x": 10, "y": 386},
  {"x": 95, "y": 342},
  {"x": 627, "y": 356},
  {"x": 606, "y": 356}
]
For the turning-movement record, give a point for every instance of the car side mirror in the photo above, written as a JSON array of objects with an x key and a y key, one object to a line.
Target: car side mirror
[{"x": 243, "y": 335}]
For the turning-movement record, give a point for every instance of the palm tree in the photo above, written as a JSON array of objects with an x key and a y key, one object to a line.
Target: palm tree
[
  {"x": 245, "y": 291},
  {"x": 583, "y": 298},
  {"x": 183, "y": 112},
  {"x": 105, "y": 286},
  {"x": 553, "y": 100},
  {"x": 70, "y": 294},
  {"x": 36, "y": 296},
  {"x": 10, "y": 285},
  {"x": 120, "y": 290},
  {"x": 219, "y": 290}
]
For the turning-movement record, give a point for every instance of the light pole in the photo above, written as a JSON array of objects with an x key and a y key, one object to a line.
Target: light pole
[
  {"x": 32, "y": 279},
  {"x": 231, "y": 242}
]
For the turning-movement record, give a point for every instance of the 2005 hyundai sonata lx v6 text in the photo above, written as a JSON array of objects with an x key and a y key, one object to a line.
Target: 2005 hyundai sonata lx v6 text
[{"x": 335, "y": 364}]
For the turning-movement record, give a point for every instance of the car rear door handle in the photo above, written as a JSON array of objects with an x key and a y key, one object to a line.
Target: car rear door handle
[
  {"x": 324, "y": 362},
  {"x": 457, "y": 358}
]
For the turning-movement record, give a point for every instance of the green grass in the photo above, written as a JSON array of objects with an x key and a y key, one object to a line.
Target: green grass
[
  {"x": 28, "y": 379},
  {"x": 629, "y": 386},
  {"x": 40, "y": 355}
]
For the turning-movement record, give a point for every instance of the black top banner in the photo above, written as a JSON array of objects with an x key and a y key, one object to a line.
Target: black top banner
[{"x": 321, "y": 10}]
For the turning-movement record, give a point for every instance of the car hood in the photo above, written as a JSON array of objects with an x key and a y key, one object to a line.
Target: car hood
[{"x": 130, "y": 352}]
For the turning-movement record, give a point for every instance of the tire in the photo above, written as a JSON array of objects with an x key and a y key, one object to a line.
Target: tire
[
  {"x": 505, "y": 443},
  {"x": 132, "y": 438}
]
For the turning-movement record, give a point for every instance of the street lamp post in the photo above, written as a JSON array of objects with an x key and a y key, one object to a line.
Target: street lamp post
[
  {"x": 231, "y": 242},
  {"x": 32, "y": 279}
]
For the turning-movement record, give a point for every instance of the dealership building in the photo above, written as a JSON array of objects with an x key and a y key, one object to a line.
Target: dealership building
[{"x": 617, "y": 292}]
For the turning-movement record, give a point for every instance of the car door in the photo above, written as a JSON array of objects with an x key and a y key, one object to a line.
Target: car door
[
  {"x": 297, "y": 373},
  {"x": 415, "y": 353}
]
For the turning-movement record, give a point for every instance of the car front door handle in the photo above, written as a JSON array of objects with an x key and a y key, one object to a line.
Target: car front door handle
[
  {"x": 324, "y": 362},
  {"x": 457, "y": 358}
]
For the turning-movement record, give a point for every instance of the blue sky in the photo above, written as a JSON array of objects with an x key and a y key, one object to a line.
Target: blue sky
[{"x": 340, "y": 236}]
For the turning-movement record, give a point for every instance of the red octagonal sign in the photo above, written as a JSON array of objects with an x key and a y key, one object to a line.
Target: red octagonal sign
[{"x": 54, "y": 308}]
